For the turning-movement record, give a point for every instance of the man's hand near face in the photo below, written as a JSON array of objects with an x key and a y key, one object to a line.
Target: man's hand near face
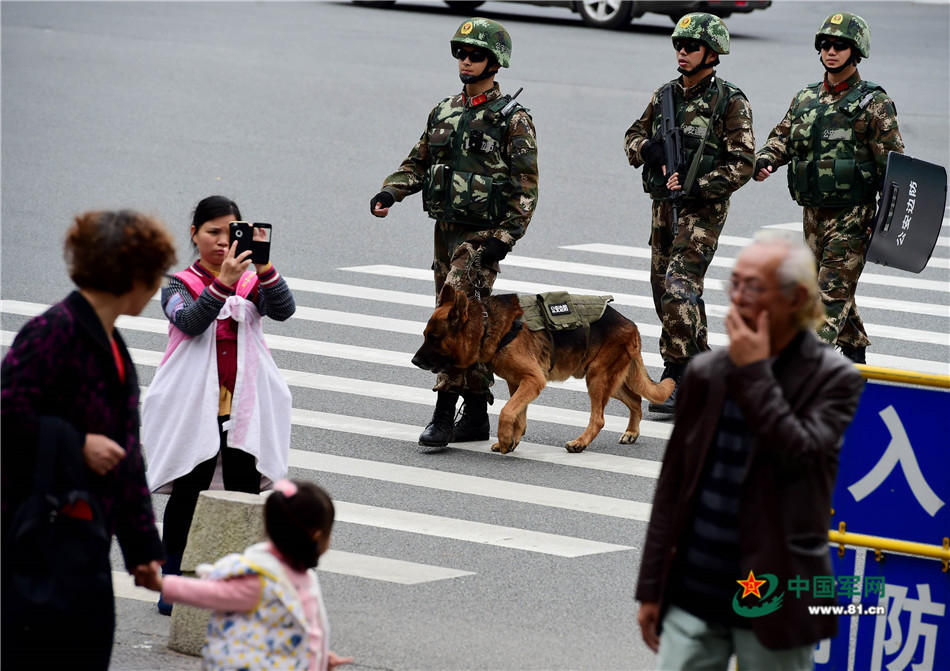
[{"x": 747, "y": 345}]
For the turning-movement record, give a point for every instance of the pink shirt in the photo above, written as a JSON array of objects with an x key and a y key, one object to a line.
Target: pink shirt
[{"x": 243, "y": 594}]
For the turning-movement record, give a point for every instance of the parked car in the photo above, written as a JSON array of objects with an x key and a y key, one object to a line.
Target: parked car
[{"x": 619, "y": 13}]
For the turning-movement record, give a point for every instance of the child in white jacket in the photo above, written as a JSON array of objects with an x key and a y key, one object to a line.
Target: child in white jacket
[{"x": 268, "y": 610}]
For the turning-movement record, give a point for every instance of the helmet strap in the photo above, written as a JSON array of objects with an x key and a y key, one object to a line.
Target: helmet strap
[
  {"x": 491, "y": 68},
  {"x": 702, "y": 64},
  {"x": 852, "y": 60},
  {"x": 471, "y": 79}
]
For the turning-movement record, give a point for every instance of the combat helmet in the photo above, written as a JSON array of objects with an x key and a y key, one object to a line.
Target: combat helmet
[
  {"x": 707, "y": 28},
  {"x": 485, "y": 34},
  {"x": 849, "y": 27}
]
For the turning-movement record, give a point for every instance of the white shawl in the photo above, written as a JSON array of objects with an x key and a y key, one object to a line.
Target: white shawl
[{"x": 180, "y": 410}]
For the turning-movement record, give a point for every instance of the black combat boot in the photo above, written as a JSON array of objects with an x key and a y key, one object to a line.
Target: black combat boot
[
  {"x": 438, "y": 432},
  {"x": 675, "y": 371},
  {"x": 856, "y": 354},
  {"x": 473, "y": 425}
]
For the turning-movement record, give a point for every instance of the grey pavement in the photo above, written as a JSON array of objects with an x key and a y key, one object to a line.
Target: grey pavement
[{"x": 298, "y": 111}]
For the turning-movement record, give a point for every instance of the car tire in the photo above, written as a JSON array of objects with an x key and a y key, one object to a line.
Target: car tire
[{"x": 604, "y": 13}]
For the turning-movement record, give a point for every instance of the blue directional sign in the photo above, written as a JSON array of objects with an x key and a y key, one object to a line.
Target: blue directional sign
[
  {"x": 894, "y": 476},
  {"x": 914, "y": 630},
  {"x": 893, "y": 482}
]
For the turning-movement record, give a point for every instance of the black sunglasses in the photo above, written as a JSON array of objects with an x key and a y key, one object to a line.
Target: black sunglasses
[
  {"x": 689, "y": 46},
  {"x": 837, "y": 45},
  {"x": 474, "y": 55}
]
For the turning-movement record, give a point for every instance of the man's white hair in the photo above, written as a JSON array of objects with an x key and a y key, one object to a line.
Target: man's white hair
[{"x": 798, "y": 268}]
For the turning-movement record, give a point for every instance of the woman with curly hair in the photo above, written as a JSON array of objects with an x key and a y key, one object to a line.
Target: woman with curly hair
[{"x": 69, "y": 390}]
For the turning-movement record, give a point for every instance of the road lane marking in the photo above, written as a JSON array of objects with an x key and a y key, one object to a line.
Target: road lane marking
[
  {"x": 406, "y": 326},
  {"x": 943, "y": 241},
  {"x": 913, "y": 307},
  {"x": 635, "y": 275},
  {"x": 364, "y": 426},
  {"x": 421, "y": 396},
  {"x": 511, "y": 538},
  {"x": 353, "y": 564},
  {"x": 307, "y": 346},
  {"x": 473, "y": 485},
  {"x": 382, "y": 568},
  {"x": 653, "y": 330}
]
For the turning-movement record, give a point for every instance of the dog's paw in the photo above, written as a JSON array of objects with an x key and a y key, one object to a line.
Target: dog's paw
[
  {"x": 575, "y": 446},
  {"x": 504, "y": 449},
  {"x": 628, "y": 438}
]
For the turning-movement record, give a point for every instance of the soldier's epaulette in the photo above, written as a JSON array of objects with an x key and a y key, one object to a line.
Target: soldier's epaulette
[
  {"x": 871, "y": 86},
  {"x": 815, "y": 85},
  {"x": 732, "y": 89}
]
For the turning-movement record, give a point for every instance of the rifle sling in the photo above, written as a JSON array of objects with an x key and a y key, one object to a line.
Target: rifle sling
[{"x": 694, "y": 166}]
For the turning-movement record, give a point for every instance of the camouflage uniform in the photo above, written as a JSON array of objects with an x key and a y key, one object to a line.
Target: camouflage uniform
[
  {"x": 678, "y": 264},
  {"x": 478, "y": 172},
  {"x": 836, "y": 142}
]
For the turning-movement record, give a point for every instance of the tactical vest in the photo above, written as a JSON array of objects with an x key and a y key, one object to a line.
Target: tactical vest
[
  {"x": 467, "y": 178},
  {"x": 561, "y": 311},
  {"x": 829, "y": 166},
  {"x": 697, "y": 117}
]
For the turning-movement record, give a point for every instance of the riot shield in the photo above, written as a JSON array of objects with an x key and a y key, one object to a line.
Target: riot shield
[{"x": 910, "y": 213}]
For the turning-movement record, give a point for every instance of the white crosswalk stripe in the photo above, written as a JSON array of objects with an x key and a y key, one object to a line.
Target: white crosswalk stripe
[
  {"x": 942, "y": 241},
  {"x": 721, "y": 261},
  {"x": 718, "y": 339},
  {"x": 374, "y": 385}
]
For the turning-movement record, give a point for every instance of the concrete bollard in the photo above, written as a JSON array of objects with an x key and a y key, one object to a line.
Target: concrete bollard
[{"x": 224, "y": 522}]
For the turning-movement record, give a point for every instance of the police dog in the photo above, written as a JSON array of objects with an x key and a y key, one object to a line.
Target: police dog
[{"x": 464, "y": 331}]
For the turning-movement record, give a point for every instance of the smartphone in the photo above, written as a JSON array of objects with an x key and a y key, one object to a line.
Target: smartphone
[
  {"x": 260, "y": 247},
  {"x": 242, "y": 233}
]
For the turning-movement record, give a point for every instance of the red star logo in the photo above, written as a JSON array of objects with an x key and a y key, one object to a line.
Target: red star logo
[{"x": 751, "y": 586}]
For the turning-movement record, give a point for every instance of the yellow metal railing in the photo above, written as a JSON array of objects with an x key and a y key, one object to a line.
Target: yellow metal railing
[
  {"x": 904, "y": 376},
  {"x": 878, "y": 543}
]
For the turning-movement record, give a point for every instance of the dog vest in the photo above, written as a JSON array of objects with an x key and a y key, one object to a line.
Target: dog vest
[{"x": 561, "y": 311}]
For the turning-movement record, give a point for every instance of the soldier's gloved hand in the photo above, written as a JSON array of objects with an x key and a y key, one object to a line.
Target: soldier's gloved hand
[
  {"x": 763, "y": 168},
  {"x": 652, "y": 153},
  {"x": 493, "y": 249},
  {"x": 384, "y": 200}
]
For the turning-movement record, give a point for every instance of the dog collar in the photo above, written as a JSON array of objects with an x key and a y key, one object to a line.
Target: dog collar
[{"x": 511, "y": 335}]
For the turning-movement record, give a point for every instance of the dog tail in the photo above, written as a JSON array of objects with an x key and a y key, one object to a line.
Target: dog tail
[{"x": 638, "y": 379}]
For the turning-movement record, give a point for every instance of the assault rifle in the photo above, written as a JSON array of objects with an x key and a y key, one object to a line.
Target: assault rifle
[{"x": 672, "y": 146}]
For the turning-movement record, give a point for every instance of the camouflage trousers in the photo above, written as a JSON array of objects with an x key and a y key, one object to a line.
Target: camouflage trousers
[
  {"x": 677, "y": 269},
  {"x": 455, "y": 262},
  {"x": 839, "y": 240}
]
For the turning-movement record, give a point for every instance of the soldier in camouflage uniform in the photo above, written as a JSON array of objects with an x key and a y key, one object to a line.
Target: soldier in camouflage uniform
[
  {"x": 476, "y": 165},
  {"x": 835, "y": 137},
  {"x": 723, "y": 159}
]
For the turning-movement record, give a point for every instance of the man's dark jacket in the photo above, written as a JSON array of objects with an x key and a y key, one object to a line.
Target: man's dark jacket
[{"x": 798, "y": 421}]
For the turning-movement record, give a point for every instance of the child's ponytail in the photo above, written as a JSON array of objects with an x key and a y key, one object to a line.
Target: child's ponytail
[{"x": 293, "y": 514}]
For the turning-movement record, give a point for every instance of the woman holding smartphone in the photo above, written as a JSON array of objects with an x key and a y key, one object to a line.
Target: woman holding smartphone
[{"x": 203, "y": 416}]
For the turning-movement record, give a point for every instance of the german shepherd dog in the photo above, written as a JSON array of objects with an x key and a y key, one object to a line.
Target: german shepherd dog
[{"x": 464, "y": 331}]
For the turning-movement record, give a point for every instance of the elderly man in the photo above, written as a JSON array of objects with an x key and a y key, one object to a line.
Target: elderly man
[{"x": 747, "y": 478}]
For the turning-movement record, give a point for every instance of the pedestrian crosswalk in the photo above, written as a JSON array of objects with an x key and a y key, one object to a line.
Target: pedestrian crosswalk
[{"x": 360, "y": 399}]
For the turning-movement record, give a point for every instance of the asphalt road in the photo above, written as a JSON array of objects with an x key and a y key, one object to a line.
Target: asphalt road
[{"x": 298, "y": 111}]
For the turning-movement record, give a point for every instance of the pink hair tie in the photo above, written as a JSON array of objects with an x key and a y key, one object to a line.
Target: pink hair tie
[{"x": 285, "y": 487}]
